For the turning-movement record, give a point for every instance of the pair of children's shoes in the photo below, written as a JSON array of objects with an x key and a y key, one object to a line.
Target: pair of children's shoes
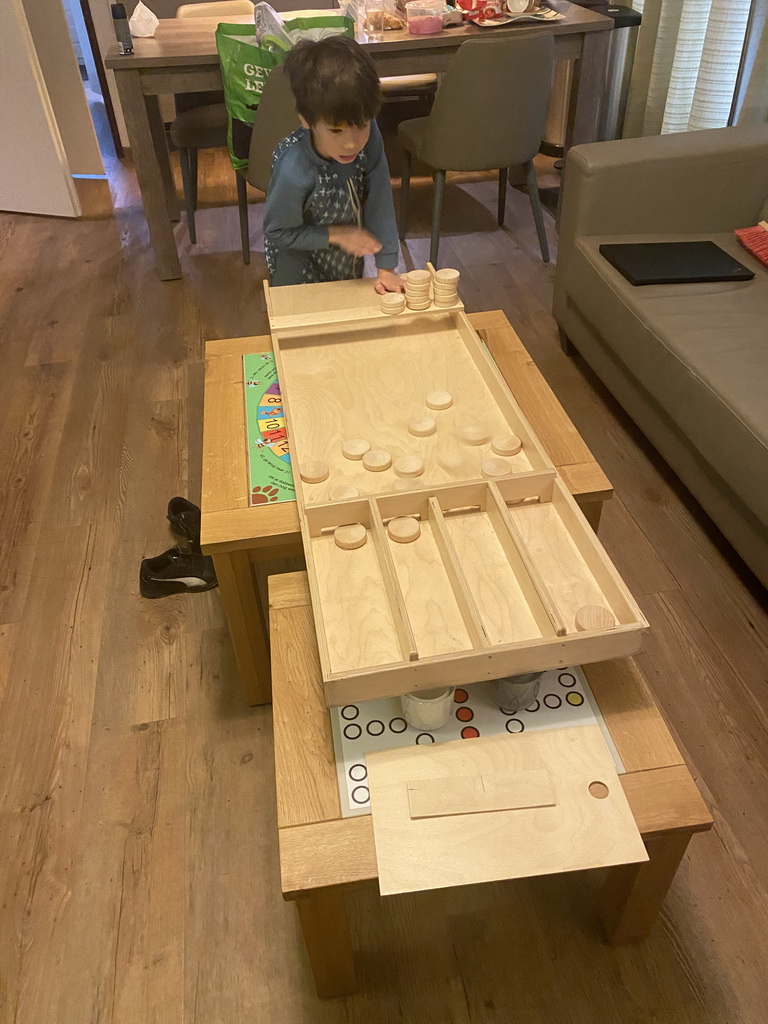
[{"x": 181, "y": 569}]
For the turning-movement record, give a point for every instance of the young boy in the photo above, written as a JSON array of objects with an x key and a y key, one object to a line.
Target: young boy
[{"x": 330, "y": 201}]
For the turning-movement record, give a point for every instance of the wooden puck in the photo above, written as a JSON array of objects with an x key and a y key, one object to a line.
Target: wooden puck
[
  {"x": 439, "y": 400},
  {"x": 495, "y": 467},
  {"x": 377, "y": 460},
  {"x": 418, "y": 305},
  {"x": 594, "y": 616},
  {"x": 409, "y": 465},
  {"x": 355, "y": 448},
  {"x": 446, "y": 303},
  {"x": 314, "y": 472},
  {"x": 418, "y": 277},
  {"x": 422, "y": 426},
  {"x": 506, "y": 444},
  {"x": 447, "y": 276},
  {"x": 475, "y": 435},
  {"x": 404, "y": 529},
  {"x": 341, "y": 492},
  {"x": 350, "y": 537}
]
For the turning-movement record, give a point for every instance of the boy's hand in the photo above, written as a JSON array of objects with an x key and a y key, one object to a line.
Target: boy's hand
[
  {"x": 388, "y": 281},
  {"x": 355, "y": 241}
]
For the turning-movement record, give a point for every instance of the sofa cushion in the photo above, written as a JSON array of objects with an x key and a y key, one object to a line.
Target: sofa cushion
[{"x": 701, "y": 350}]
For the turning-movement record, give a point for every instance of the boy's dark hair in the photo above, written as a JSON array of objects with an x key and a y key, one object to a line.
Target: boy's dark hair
[{"x": 333, "y": 80}]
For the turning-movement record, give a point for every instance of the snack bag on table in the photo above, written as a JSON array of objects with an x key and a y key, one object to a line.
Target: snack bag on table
[{"x": 480, "y": 9}]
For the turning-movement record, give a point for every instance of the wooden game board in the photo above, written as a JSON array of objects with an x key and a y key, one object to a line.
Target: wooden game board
[{"x": 493, "y": 583}]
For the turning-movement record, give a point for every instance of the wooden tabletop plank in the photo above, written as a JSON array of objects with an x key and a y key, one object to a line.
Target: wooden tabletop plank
[
  {"x": 225, "y": 466},
  {"x": 229, "y": 524},
  {"x": 633, "y": 719},
  {"x": 192, "y": 41},
  {"x": 305, "y": 764}
]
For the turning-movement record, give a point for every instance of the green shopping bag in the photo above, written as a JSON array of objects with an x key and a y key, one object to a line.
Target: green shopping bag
[
  {"x": 247, "y": 54},
  {"x": 245, "y": 66}
]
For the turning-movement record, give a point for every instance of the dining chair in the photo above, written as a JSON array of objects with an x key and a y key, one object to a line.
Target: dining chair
[
  {"x": 488, "y": 114},
  {"x": 275, "y": 118},
  {"x": 201, "y": 117}
]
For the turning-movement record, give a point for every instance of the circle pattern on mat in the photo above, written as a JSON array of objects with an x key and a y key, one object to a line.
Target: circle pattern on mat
[
  {"x": 358, "y": 773},
  {"x": 552, "y": 701},
  {"x": 567, "y": 679},
  {"x": 514, "y": 725},
  {"x": 375, "y": 728},
  {"x": 534, "y": 707},
  {"x": 350, "y": 712},
  {"x": 398, "y": 725},
  {"x": 360, "y": 795},
  {"x": 353, "y": 731},
  {"x": 465, "y": 714},
  {"x": 460, "y": 696},
  {"x": 425, "y": 737},
  {"x": 469, "y": 732},
  {"x": 574, "y": 698}
]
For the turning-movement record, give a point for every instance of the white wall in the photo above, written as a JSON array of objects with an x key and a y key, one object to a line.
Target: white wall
[
  {"x": 34, "y": 174},
  {"x": 48, "y": 25}
]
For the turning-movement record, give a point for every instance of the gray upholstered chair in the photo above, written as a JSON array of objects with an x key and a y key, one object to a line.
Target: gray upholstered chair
[
  {"x": 201, "y": 117},
  {"x": 488, "y": 114},
  {"x": 275, "y": 118}
]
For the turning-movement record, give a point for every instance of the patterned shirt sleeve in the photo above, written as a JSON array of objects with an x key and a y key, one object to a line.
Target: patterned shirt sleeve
[
  {"x": 289, "y": 189},
  {"x": 378, "y": 209}
]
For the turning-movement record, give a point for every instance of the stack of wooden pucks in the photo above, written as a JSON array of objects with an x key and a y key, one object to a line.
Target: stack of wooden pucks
[
  {"x": 446, "y": 287},
  {"x": 417, "y": 289},
  {"x": 392, "y": 303}
]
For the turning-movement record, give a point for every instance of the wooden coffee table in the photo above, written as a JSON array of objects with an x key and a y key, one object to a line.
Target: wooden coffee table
[
  {"x": 323, "y": 856},
  {"x": 238, "y": 536}
]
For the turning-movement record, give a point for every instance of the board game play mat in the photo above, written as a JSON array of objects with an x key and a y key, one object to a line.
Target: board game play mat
[
  {"x": 269, "y": 458},
  {"x": 564, "y": 700}
]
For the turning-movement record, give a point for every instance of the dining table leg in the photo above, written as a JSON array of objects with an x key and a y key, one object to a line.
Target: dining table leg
[
  {"x": 150, "y": 159},
  {"x": 587, "y": 88}
]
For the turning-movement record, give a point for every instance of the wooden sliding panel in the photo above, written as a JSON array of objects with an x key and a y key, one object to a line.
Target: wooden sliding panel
[
  {"x": 531, "y": 582},
  {"x": 438, "y": 623},
  {"x": 392, "y": 585},
  {"x": 461, "y": 590},
  {"x": 498, "y": 593},
  {"x": 360, "y": 627}
]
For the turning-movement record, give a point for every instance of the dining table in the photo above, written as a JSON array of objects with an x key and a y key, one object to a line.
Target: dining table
[{"x": 181, "y": 57}]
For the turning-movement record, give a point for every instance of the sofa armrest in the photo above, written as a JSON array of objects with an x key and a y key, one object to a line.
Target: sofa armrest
[{"x": 668, "y": 184}]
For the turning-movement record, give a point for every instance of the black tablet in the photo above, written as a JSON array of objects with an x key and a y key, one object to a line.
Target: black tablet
[{"x": 674, "y": 262}]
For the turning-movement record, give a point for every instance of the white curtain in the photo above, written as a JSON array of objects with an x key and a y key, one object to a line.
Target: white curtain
[{"x": 686, "y": 65}]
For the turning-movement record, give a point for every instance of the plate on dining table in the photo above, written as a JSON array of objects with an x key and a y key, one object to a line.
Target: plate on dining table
[{"x": 538, "y": 14}]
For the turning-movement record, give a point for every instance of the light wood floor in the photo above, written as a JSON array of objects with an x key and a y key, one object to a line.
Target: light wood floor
[{"x": 138, "y": 853}]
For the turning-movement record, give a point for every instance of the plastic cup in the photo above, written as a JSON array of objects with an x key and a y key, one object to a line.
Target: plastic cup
[{"x": 428, "y": 709}]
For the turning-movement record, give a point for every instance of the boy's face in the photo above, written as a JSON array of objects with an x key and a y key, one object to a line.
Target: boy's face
[{"x": 341, "y": 142}]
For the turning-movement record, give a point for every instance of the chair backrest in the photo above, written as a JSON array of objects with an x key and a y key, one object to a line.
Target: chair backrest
[
  {"x": 217, "y": 9},
  {"x": 491, "y": 106},
  {"x": 275, "y": 118}
]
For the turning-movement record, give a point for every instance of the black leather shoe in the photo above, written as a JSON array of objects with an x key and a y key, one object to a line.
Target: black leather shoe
[
  {"x": 184, "y": 518},
  {"x": 176, "y": 572}
]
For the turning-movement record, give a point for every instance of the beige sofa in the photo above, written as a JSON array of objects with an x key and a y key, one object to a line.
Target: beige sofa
[{"x": 689, "y": 363}]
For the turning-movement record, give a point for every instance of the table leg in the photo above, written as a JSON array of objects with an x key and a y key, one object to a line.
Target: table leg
[
  {"x": 325, "y": 925},
  {"x": 152, "y": 182},
  {"x": 587, "y": 88},
  {"x": 247, "y": 625},
  {"x": 633, "y": 893},
  {"x": 160, "y": 143}
]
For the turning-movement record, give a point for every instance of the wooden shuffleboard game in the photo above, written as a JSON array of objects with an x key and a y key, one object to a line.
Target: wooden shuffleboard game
[{"x": 441, "y": 545}]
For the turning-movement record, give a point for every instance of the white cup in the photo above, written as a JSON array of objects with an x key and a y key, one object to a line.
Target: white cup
[{"x": 428, "y": 709}]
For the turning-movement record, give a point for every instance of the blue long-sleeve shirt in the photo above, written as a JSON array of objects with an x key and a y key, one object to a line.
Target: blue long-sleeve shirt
[{"x": 308, "y": 193}]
